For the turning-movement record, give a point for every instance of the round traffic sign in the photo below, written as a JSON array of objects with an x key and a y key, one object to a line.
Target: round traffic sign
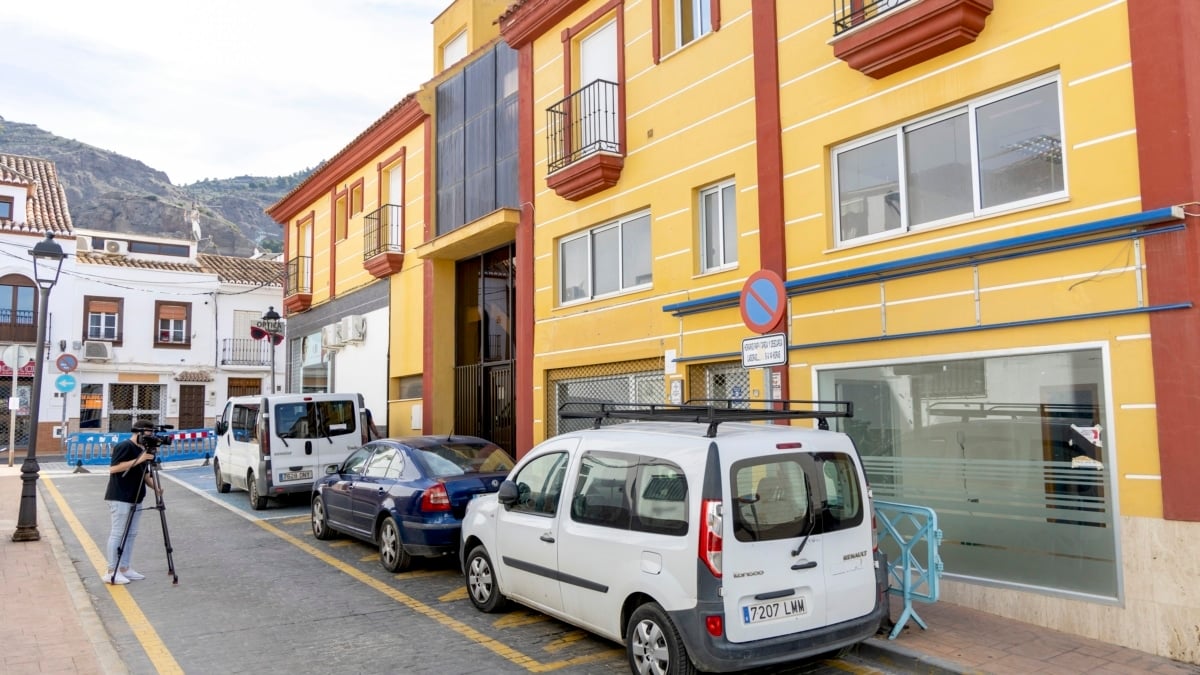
[
  {"x": 66, "y": 362},
  {"x": 763, "y": 301},
  {"x": 64, "y": 382}
]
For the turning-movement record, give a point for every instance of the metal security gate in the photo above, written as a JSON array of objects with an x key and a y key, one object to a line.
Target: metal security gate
[
  {"x": 719, "y": 381},
  {"x": 640, "y": 381},
  {"x": 22, "y": 416},
  {"x": 484, "y": 402},
  {"x": 128, "y": 403}
]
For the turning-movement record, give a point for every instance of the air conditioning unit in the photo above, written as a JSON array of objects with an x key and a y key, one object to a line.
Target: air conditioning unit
[
  {"x": 354, "y": 328},
  {"x": 116, "y": 247},
  {"x": 331, "y": 336},
  {"x": 97, "y": 350},
  {"x": 83, "y": 243}
]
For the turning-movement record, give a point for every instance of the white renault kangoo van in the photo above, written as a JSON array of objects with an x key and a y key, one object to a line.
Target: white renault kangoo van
[
  {"x": 696, "y": 537},
  {"x": 274, "y": 445}
]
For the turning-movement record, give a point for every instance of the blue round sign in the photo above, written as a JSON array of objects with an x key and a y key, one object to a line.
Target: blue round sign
[
  {"x": 763, "y": 301},
  {"x": 64, "y": 382}
]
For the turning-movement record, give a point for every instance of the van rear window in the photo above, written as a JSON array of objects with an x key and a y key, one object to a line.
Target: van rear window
[
  {"x": 315, "y": 419},
  {"x": 793, "y": 495}
]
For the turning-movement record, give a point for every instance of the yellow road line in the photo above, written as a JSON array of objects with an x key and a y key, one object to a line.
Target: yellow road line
[
  {"x": 151, "y": 643},
  {"x": 495, "y": 646}
]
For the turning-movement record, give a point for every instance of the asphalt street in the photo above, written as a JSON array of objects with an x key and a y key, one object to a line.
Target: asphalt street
[{"x": 258, "y": 593}]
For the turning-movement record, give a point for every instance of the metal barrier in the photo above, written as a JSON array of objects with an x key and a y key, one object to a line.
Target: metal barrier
[
  {"x": 912, "y": 528},
  {"x": 95, "y": 448}
]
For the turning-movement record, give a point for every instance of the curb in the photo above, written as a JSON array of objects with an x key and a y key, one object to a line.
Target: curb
[{"x": 887, "y": 653}]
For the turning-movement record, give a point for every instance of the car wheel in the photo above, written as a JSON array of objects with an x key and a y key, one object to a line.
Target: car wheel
[
  {"x": 482, "y": 586},
  {"x": 392, "y": 555},
  {"x": 222, "y": 486},
  {"x": 320, "y": 526},
  {"x": 653, "y": 645},
  {"x": 257, "y": 501}
]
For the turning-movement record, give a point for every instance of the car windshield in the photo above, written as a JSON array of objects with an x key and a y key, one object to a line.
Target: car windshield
[{"x": 458, "y": 458}]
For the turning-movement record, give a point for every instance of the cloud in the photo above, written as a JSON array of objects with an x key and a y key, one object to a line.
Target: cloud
[{"x": 217, "y": 88}]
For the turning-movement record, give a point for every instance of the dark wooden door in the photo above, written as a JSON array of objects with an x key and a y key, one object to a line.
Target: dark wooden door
[
  {"x": 244, "y": 386},
  {"x": 191, "y": 406}
]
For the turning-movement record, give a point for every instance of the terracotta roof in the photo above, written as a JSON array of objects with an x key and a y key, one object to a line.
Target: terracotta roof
[
  {"x": 193, "y": 376},
  {"x": 46, "y": 207},
  {"x": 233, "y": 270},
  {"x": 92, "y": 258}
]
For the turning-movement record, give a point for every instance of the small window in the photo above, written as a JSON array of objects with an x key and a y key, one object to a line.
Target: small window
[
  {"x": 102, "y": 318},
  {"x": 718, "y": 227},
  {"x": 693, "y": 19},
  {"x": 539, "y": 484},
  {"x": 996, "y": 153},
  {"x": 602, "y": 490},
  {"x": 356, "y": 198},
  {"x": 6, "y": 207},
  {"x": 795, "y": 496},
  {"x": 377, "y": 466},
  {"x": 172, "y": 324},
  {"x": 604, "y": 260},
  {"x": 315, "y": 419},
  {"x": 410, "y": 386},
  {"x": 242, "y": 423},
  {"x": 340, "y": 217},
  {"x": 454, "y": 50}
]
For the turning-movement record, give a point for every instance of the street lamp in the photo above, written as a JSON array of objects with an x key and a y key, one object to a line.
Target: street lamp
[
  {"x": 274, "y": 327},
  {"x": 47, "y": 263}
]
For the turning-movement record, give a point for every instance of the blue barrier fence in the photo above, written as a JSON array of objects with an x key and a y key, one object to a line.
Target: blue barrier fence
[
  {"x": 96, "y": 448},
  {"x": 910, "y": 536}
]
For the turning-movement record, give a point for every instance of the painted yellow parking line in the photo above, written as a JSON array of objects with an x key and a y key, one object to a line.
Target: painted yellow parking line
[
  {"x": 459, "y": 593},
  {"x": 295, "y": 521},
  {"x": 510, "y": 654},
  {"x": 566, "y": 641},
  {"x": 519, "y": 618},
  {"x": 151, "y": 643}
]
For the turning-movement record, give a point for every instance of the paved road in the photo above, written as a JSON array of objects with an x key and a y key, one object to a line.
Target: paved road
[{"x": 257, "y": 593}]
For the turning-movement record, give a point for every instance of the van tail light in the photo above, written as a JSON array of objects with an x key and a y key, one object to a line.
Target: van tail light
[
  {"x": 874, "y": 522},
  {"x": 264, "y": 442},
  {"x": 435, "y": 499},
  {"x": 714, "y": 624},
  {"x": 711, "y": 529}
]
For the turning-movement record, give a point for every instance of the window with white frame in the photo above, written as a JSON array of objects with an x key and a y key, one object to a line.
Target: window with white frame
[
  {"x": 693, "y": 19},
  {"x": 606, "y": 259},
  {"x": 454, "y": 49},
  {"x": 999, "y": 152},
  {"x": 103, "y": 318},
  {"x": 172, "y": 327},
  {"x": 718, "y": 227}
]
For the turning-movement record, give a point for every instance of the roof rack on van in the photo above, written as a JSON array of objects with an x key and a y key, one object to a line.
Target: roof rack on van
[{"x": 710, "y": 410}]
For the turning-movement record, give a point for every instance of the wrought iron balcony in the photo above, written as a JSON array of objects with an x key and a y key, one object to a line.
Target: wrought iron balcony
[
  {"x": 383, "y": 240},
  {"x": 850, "y": 13},
  {"x": 245, "y": 352},
  {"x": 583, "y": 124},
  {"x": 297, "y": 292},
  {"x": 18, "y": 326}
]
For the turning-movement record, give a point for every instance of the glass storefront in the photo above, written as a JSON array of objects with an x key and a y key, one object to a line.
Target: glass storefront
[{"x": 1008, "y": 450}]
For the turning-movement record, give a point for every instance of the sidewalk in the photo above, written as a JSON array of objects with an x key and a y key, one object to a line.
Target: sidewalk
[
  {"x": 53, "y": 628},
  {"x": 50, "y": 624}
]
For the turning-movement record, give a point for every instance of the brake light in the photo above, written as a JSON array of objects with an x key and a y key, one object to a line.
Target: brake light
[
  {"x": 874, "y": 523},
  {"x": 715, "y": 624},
  {"x": 711, "y": 542},
  {"x": 435, "y": 499},
  {"x": 789, "y": 446}
]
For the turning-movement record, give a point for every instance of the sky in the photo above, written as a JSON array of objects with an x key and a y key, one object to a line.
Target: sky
[{"x": 213, "y": 88}]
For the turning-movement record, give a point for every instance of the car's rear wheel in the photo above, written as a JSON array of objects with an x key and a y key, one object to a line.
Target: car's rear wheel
[
  {"x": 222, "y": 486},
  {"x": 482, "y": 587},
  {"x": 392, "y": 555},
  {"x": 320, "y": 525},
  {"x": 653, "y": 645},
  {"x": 257, "y": 501}
]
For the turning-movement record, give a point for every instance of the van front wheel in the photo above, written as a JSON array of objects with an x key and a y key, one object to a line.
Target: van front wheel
[
  {"x": 222, "y": 486},
  {"x": 653, "y": 645},
  {"x": 257, "y": 501}
]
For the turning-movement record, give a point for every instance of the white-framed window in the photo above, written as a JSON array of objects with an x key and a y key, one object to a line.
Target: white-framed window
[
  {"x": 693, "y": 19},
  {"x": 718, "y": 226},
  {"x": 997, "y": 153},
  {"x": 173, "y": 322},
  {"x": 606, "y": 259},
  {"x": 103, "y": 318},
  {"x": 454, "y": 49}
]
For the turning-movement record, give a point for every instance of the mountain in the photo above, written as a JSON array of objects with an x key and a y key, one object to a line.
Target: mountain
[{"x": 111, "y": 192}]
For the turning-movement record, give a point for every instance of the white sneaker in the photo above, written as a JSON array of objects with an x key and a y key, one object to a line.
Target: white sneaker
[
  {"x": 116, "y": 578},
  {"x": 133, "y": 575}
]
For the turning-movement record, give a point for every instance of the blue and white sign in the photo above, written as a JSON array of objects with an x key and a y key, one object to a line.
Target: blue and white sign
[
  {"x": 762, "y": 352},
  {"x": 64, "y": 382}
]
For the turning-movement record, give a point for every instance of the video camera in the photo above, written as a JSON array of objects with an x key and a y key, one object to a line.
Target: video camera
[{"x": 153, "y": 435}]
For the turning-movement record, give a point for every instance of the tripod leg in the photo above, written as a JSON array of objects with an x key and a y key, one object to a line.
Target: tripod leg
[
  {"x": 124, "y": 538},
  {"x": 161, "y": 507}
]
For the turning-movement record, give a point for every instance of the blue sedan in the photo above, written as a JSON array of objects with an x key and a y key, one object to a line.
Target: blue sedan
[{"x": 407, "y": 495}]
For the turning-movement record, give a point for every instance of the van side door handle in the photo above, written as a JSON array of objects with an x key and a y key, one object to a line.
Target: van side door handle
[
  {"x": 806, "y": 565},
  {"x": 547, "y": 537}
]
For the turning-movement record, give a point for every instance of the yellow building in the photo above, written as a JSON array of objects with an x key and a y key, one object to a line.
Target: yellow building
[{"x": 972, "y": 239}]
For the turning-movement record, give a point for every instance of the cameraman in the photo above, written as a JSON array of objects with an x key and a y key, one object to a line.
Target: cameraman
[{"x": 127, "y": 475}]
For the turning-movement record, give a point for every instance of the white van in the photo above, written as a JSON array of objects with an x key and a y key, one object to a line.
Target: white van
[
  {"x": 275, "y": 445},
  {"x": 697, "y": 539}
]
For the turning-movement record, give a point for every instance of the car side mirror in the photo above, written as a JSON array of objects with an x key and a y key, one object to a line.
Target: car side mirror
[
  {"x": 222, "y": 427},
  {"x": 508, "y": 493},
  {"x": 331, "y": 469}
]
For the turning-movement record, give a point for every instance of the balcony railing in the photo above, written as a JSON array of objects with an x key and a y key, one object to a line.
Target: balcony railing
[
  {"x": 17, "y": 326},
  {"x": 583, "y": 124},
  {"x": 850, "y": 13},
  {"x": 382, "y": 232},
  {"x": 299, "y": 275},
  {"x": 245, "y": 352}
]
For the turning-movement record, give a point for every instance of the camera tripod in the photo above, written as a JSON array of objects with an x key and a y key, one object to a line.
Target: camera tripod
[{"x": 160, "y": 506}]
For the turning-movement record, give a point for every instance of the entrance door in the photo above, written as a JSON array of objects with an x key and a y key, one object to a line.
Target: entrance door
[
  {"x": 191, "y": 406},
  {"x": 485, "y": 400}
]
